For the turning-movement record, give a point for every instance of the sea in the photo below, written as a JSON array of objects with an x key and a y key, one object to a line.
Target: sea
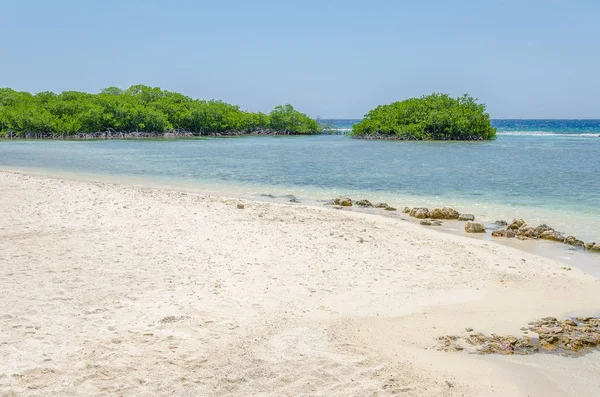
[{"x": 544, "y": 171}]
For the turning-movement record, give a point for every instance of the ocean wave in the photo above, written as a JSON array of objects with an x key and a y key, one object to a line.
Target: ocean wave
[{"x": 550, "y": 133}]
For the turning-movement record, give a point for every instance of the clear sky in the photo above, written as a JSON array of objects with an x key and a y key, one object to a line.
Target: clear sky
[{"x": 335, "y": 59}]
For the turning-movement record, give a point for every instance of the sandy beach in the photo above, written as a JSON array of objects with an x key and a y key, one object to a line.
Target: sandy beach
[{"x": 113, "y": 290}]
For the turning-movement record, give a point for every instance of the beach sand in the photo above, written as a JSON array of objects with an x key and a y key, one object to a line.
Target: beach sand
[{"x": 111, "y": 290}]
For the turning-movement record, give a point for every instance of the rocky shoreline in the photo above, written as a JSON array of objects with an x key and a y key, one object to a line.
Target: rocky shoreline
[
  {"x": 571, "y": 336},
  {"x": 517, "y": 228}
]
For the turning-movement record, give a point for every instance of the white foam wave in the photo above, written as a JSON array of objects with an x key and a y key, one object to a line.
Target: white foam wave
[{"x": 549, "y": 133}]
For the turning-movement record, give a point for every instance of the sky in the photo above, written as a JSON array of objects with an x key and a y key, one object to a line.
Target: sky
[{"x": 332, "y": 59}]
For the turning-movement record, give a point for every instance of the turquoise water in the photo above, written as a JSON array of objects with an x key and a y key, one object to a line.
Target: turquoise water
[{"x": 552, "y": 178}]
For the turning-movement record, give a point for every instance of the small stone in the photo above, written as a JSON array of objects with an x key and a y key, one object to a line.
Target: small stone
[
  {"x": 516, "y": 224},
  {"x": 419, "y": 213},
  {"x": 406, "y": 210},
  {"x": 389, "y": 208},
  {"x": 240, "y": 206},
  {"x": 501, "y": 223},
  {"x": 343, "y": 201},
  {"x": 466, "y": 217},
  {"x": 364, "y": 203},
  {"x": 472, "y": 227},
  {"x": 469, "y": 329},
  {"x": 552, "y": 235},
  {"x": 572, "y": 240}
]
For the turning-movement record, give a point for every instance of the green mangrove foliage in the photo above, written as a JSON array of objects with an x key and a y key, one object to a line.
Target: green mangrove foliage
[
  {"x": 431, "y": 117},
  {"x": 137, "y": 109}
]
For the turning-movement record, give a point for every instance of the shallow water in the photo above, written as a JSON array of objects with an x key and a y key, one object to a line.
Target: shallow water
[{"x": 553, "y": 179}]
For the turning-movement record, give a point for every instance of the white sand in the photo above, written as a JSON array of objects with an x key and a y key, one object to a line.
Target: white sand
[{"x": 129, "y": 291}]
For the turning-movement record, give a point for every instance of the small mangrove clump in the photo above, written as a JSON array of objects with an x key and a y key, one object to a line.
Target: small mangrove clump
[{"x": 431, "y": 117}]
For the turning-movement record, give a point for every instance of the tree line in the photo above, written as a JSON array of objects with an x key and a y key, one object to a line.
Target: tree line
[{"x": 138, "y": 109}]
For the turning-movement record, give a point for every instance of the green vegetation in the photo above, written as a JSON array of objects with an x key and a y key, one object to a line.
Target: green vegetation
[
  {"x": 432, "y": 117},
  {"x": 137, "y": 109}
]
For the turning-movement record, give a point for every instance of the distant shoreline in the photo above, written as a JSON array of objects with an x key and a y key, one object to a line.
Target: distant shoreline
[{"x": 154, "y": 135}]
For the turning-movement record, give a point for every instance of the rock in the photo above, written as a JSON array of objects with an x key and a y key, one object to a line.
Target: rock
[
  {"x": 595, "y": 248},
  {"x": 343, "y": 201},
  {"x": 466, "y": 217},
  {"x": 240, "y": 206},
  {"x": 588, "y": 246},
  {"x": 293, "y": 199},
  {"x": 526, "y": 231},
  {"x": 570, "y": 323},
  {"x": 542, "y": 228},
  {"x": 472, "y": 227},
  {"x": 516, "y": 224},
  {"x": 572, "y": 240},
  {"x": 389, "y": 208},
  {"x": 363, "y": 203},
  {"x": 427, "y": 222},
  {"x": 443, "y": 213},
  {"x": 552, "y": 235},
  {"x": 501, "y": 223},
  {"x": 420, "y": 213},
  {"x": 381, "y": 205},
  {"x": 504, "y": 233},
  {"x": 406, "y": 210}
]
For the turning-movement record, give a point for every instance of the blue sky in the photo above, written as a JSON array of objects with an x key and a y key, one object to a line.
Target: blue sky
[{"x": 335, "y": 59}]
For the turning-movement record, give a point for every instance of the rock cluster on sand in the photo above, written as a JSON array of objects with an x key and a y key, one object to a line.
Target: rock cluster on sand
[
  {"x": 569, "y": 336},
  {"x": 348, "y": 202},
  {"x": 520, "y": 229},
  {"x": 437, "y": 213}
]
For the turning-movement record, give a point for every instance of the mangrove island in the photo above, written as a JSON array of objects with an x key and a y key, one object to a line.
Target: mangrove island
[
  {"x": 431, "y": 117},
  {"x": 139, "y": 111}
]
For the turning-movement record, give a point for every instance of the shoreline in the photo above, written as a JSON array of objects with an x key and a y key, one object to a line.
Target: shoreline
[
  {"x": 134, "y": 290},
  {"x": 572, "y": 256}
]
